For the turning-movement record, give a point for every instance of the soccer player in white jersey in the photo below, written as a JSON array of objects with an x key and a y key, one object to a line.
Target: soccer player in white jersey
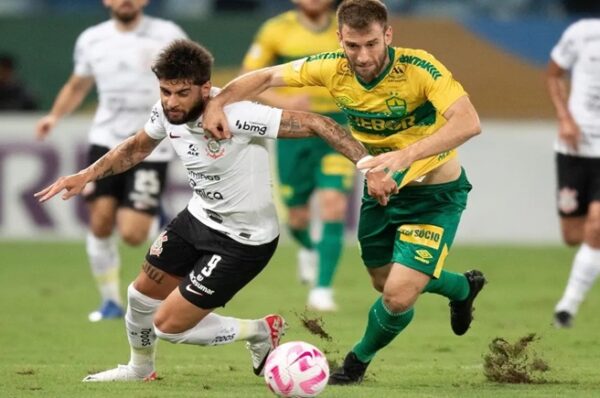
[
  {"x": 228, "y": 231},
  {"x": 116, "y": 55},
  {"x": 577, "y": 55}
]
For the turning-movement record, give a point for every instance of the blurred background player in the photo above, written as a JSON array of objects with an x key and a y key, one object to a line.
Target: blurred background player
[
  {"x": 308, "y": 165},
  {"x": 116, "y": 55},
  {"x": 578, "y": 156},
  {"x": 14, "y": 96}
]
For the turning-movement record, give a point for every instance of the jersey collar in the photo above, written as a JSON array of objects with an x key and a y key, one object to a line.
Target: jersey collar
[{"x": 383, "y": 74}]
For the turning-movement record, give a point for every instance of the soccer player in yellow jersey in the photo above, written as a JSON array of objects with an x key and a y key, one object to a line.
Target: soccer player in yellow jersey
[
  {"x": 407, "y": 109},
  {"x": 308, "y": 165}
]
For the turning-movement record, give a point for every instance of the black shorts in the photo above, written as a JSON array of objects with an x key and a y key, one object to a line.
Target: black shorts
[
  {"x": 578, "y": 184},
  {"x": 138, "y": 188},
  {"x": 214, "y": 266}
]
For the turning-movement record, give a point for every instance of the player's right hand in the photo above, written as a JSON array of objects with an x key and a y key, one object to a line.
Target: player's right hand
[
  {"x": 380, "y": 187},
  {"x": 73, "y": 184},
  {"x": 569, "y": 133},
  {"x": 44, "y": 126},
  {"x": 214, "y": 121}
]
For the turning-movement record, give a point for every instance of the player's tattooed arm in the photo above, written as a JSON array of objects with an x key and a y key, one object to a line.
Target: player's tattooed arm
[
  {"x": 295, "y": 124},
  {"x": 119, "y": 159},
  {"x": 124, "y": 156}
]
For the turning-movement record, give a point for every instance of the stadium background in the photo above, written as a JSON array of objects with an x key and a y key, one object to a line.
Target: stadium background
[
  {"x": 497, "y": 49},
  {"x": 498, "y": 53}
]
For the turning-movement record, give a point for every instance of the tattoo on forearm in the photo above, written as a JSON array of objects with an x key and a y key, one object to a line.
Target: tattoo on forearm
[
  {"x": 121, "y": 158},
  {"x": 292, "y": 126},
  {"x": 153, "y": 273},
  {"x": 340, "y": 139}
]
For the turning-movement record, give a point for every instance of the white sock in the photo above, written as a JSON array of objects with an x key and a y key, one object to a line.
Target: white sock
[
  {"x": 140, "y": 330},
  {"x": 585, "y": 271},
  {"x": 216, "y": 330},
  {"x": 104, "y": 261}
]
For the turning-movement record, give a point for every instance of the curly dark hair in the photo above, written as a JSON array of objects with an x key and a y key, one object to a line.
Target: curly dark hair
[
  {"x": 359, "y": 14},
  {"x": 184, "y": 60}
]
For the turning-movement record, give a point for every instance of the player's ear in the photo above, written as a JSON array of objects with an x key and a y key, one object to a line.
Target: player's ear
[
  {"x": 205, "y": 88},
  {"x": 387, "y": 35}
]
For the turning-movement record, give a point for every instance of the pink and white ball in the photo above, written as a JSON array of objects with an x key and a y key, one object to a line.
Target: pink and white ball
[{"x": 296, "y": 369}]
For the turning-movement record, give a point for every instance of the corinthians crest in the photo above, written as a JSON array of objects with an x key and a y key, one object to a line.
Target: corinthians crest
[{"x": 213, "y": 148}]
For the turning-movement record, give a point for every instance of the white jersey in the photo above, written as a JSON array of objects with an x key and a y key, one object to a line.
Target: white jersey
[
  {"x": 579, "y": 51},
  {"x": 231, "y": 178},
  {"x": 127, "y": 88}
]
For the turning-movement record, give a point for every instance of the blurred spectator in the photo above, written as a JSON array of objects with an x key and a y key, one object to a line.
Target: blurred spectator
[{"x": 13, "y": 94}]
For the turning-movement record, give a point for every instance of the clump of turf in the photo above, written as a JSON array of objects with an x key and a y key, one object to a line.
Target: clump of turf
[
  {"x": 314, "y": 325},
  {"x": 514, "y": 363}
]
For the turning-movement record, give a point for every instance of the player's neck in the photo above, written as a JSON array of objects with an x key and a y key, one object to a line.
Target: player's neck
[
  {"x": 128, "y": 26},
  {"x": 315, "y": 22}
]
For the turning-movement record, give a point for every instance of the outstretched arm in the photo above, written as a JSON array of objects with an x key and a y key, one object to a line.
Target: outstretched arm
[
  {"x": 249, "y": 85},
  {"x": 558, "y": 88},
  {"x": 296, "y": 124},
  {"x": 462, "y": 124},
  {"x": 119, "y": 159}
]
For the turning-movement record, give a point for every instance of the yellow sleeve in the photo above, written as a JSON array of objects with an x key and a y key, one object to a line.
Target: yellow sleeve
[
  {"x": 439, "y": 85},
  {"x": 305, "y": 72},
  {"x": 263, "y": 51}
]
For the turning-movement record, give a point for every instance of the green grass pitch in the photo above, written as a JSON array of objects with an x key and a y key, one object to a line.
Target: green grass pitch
[{"x": 47, "y": 345}]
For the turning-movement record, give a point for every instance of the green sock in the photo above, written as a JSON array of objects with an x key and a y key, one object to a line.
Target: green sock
[
  {"x": 382, "y": 326},
  {"x": 450, "y": 284},
  {"x": 302, "y": 236},
  {"x": 330, "y": 250}
]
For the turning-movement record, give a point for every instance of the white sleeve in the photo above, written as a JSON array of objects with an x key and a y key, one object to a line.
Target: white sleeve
[
  {"x": 567, "y": 49},
  {"x": 252, "y": 119},
  {"x": 178, "y": 33},
  {"x": 82, "y": 66},
  {"x": 155, "y": 126}
]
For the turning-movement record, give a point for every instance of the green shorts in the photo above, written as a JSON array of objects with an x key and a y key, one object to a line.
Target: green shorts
[
  {"x": 416, "y": 228},
  {"x": 307, "y": 164}
]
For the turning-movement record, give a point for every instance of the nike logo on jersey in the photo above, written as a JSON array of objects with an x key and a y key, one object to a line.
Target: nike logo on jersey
[
  {"x": 189, "y": 289},
  {"x": 171, "y": 135}
]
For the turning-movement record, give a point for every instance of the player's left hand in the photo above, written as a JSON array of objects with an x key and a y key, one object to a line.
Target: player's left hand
[
  {"x": 389, "y": 162},
  {"x": 73, "y": 184}
]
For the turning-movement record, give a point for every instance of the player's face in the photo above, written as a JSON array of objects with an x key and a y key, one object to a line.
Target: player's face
[
  {"x": 366, "y": 49},
  {"x": 125, "y": 10},
  {"x": 314, "y": 7},
  {"x": 183, "y": 101}
]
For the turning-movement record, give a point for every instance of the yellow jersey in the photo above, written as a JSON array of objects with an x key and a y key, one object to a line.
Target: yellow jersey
[
  {"x": 282, "y": 39},
  {"x": 402, "y": 105}
]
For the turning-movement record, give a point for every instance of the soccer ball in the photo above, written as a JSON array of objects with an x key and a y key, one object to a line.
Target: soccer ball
[{"x": 296, "y": 369}]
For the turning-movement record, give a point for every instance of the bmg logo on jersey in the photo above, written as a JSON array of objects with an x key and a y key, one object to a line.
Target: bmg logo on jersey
[{"x": 252, "y": 127}]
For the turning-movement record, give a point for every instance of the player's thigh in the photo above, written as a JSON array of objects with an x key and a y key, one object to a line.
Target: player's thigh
[
  {"x": 224, "y": 269},
  {"x": 427, "y": 219},
  {"x": 335, "y": 178},
  {"x": 134, "y": 225},
  {"x": 143, "y": 187},
  {"x": 296, "y": 163},
  {"x": 102, "y": 212},
  {"x": 154, "y": 282},
  {"x": 574, "y": 181},
  {"x": 376, "y": 234}
]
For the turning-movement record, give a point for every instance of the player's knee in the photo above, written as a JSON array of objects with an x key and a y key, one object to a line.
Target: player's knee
[
  {"x": 397, "y": 303},
  {"x": 170, "y": 336},
  {"x": 333, "y": 206},
  {"x": 101, "y": 229},
  {"x": 592, "y": 232},
  {"x": 378, "y": 283},
  {"x": 572, "y": 238},
  {"x": 133, "y": 237},
  {"x": 167, "y": 328},
  {"x": 298, "y": 218}
]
